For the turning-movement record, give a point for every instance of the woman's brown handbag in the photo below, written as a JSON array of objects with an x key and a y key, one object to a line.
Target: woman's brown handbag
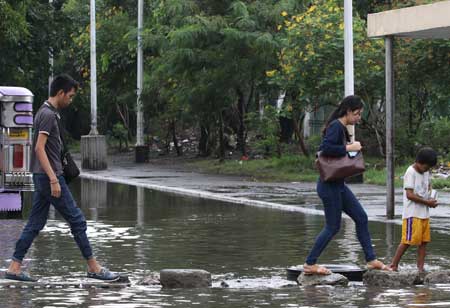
[{"x": 338, "y": 168}]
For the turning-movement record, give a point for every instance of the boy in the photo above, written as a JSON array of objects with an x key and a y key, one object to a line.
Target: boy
[{"x": 416, "y": 204}]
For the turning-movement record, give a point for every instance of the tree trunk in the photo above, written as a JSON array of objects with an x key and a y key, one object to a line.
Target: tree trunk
[
  {"x": 241, "y": 132},
  {"x": 375, "y": 121},
  {"x": 175, "y": 140},
  {"x": 286, "y": 129},
  {"x": 221, "y": 139},
  {"x": 380, "y": 142},
  {"x": 124, "y": 116},
  {"x": 168, "y": 139},
  {"x": 298, "y": 133},
  {"x": 203, "y": 147}
]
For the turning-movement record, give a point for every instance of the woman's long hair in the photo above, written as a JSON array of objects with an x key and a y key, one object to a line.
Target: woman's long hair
[{"x": 349, "y": 103}]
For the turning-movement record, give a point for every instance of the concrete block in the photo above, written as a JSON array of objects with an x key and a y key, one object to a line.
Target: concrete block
[
  {"x": 387, "y": 279},
  {"x": 93, "y": 152},
  {"x": 315, "y": 280},
  {"x": 438, "y": 277},
  {"x": 185, "y": 278}
]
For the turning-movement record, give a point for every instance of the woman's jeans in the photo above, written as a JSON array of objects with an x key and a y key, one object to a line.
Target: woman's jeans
[
  {"x": 65, "y": 205},
  {"x": 338, "y": 198}
]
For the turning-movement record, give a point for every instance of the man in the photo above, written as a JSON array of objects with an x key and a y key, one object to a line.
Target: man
[{"x": 50, "y": 186}]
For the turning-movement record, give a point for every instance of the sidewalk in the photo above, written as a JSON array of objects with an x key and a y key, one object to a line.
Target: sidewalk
[{"x": 287, "y": 196}]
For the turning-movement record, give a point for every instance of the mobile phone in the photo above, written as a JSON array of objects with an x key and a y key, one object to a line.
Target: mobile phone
[
  {"x": 352, "y": 154},
  {"x": 434, "y": 194}
]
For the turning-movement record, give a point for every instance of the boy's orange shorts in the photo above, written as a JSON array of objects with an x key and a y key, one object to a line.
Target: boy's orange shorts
[{"x": 415, "y": 231}]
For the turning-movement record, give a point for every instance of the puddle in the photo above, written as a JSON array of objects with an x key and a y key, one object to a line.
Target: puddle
[{"x": 247, "y": 250}]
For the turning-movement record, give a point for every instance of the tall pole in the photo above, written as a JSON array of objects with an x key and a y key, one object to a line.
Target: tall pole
[
  {"x": 348, "y": 56},
  {"x": 50, "y": 53},
  {"x": 93, "y": 72},
  {"x": 140, "y": 117},
  {"x": 390, "y": 104},
  {"x": 93, "y": 146}
]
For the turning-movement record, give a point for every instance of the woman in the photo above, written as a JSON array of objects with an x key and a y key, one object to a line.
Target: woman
[{"x": 335, "y": 195}]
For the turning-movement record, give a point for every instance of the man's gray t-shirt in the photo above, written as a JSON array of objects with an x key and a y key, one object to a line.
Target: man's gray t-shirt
[{"x": 45, "y": 123}]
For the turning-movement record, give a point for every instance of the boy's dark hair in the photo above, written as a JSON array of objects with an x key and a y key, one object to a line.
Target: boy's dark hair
[
  {"x": 63, "y": 82},
  {"x": 427, "y": 156}
]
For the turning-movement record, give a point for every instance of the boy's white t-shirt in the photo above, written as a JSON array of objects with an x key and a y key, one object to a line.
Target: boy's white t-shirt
[{"x": 419, "y": 182}]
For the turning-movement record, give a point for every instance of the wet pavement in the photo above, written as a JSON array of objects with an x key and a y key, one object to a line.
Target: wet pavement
[
  {"x": 247, "y": 249},
  {"x": 186, "y": 219},
  {"x": 286, "y": 196}
]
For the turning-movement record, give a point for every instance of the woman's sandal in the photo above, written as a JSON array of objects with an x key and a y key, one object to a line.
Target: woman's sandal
[
  {"x": 378, "y": 265},
  {"x": 315, "y": 269}
]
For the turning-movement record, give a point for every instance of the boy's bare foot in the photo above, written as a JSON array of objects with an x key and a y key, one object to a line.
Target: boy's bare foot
[
  {"x": 393, "y": 268},
  {"x": 421, "y": 270}
]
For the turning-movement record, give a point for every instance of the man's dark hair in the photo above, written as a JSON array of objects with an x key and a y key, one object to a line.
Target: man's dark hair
[
  {"x": 427, "y": 156},
  {"x": 63, "y": 82}
]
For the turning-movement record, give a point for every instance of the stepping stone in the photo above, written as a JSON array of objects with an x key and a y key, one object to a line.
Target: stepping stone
[
  {"x": 315, "y": 280},
  {"x": 81, "y": 283},
  {"x": 377, "y": 278},
  {"x": 150, "y": 280},
  {"x": 185, "y": 278},
  {"x": 437, "y": 277}
]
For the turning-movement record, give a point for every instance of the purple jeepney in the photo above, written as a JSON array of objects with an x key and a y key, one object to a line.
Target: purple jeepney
[{"x": 16, "y": 122}]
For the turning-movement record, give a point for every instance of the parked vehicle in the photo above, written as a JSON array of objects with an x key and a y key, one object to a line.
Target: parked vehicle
[{"x": 16, "y": 122}]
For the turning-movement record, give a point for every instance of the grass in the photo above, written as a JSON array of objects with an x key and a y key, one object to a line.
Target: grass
[
  {"x": 443, "y": 184},
  {"x": 295, "y": 168},
  {"x": 74, "y": 146},
  {"x": 287, "y": 168}
]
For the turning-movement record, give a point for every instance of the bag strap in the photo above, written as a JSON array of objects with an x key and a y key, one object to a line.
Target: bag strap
[
  {"x": 60, "y": 128},
  {"x": 61, "y": 135},
  {"x": 345, "y": 134}
]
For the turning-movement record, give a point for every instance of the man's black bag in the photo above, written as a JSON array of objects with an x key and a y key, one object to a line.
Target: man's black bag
[{"x": 70, "y": 169}]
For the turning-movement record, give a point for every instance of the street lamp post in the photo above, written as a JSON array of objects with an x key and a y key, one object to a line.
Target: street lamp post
[
  {"x": 139, "y": 132},
  {"x": 93, "y": 71},
  {"x": 349, "y": 72},
  {"x": 50, "y": 53},
  {"x": 348, "y": 55},
  {"x": 93, "y": 146},
  {"x": 141, "y": 151}
]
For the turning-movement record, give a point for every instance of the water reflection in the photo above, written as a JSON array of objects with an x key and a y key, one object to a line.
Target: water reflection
[
  {"x": 139, "y": 231},
  {"x": 93, "y": 196},
  {"x": 392, "y": 240}
]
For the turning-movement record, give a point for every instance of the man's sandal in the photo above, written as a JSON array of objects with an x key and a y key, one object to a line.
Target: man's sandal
[
  {"x": 315, "y": 269},
  {"x": 378, "y": 265}
]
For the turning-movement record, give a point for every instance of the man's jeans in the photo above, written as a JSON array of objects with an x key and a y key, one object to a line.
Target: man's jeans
[
  {"x": 65, "y": 205},
  {"x": 338, "y": 198}
]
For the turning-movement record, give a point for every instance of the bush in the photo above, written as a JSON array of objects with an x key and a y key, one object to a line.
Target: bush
[
  {"x": 436, "y": 134},
  {"x": 267, "y": 140},
  {"x": 313, "y": 143},
  {"x": 120, "y": 133}
]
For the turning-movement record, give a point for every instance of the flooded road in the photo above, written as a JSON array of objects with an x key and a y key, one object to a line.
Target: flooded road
[{"x": 140, "y": 232}]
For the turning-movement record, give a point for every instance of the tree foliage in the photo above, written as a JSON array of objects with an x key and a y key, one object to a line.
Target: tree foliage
[{"x": 210, "y": 63}]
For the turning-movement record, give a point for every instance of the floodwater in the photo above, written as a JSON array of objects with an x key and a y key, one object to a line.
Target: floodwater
[{"x": 140, "y": 232}]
